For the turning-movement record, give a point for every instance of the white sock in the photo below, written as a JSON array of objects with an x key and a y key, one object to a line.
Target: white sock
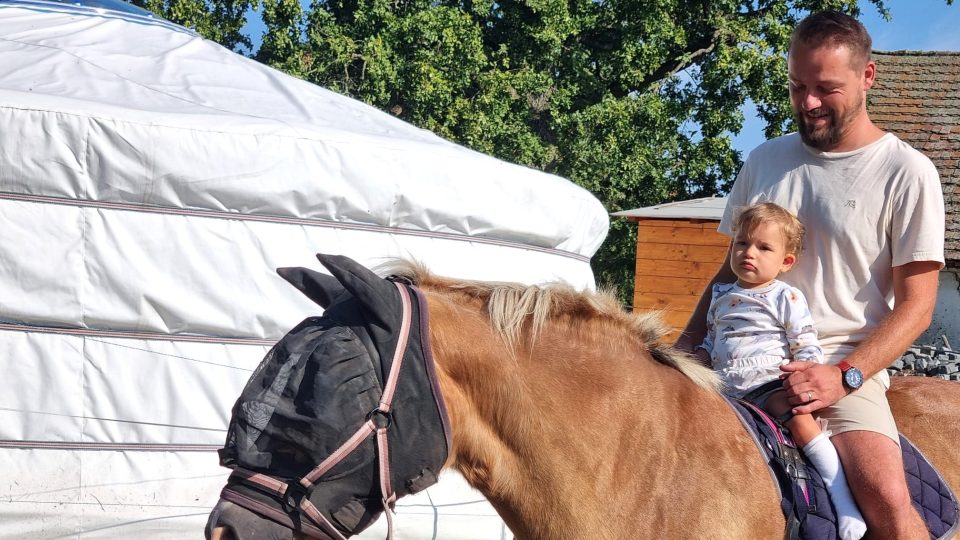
[{"x": 823, "y": 456}]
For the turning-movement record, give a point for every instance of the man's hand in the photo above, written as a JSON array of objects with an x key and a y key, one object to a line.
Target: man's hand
[
  {"x": 810, "y": 386},
  {"x": 684, "y": 344}
]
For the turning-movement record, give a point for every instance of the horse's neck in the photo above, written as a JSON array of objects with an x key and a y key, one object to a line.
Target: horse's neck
[{"x": 566, "y": 434}]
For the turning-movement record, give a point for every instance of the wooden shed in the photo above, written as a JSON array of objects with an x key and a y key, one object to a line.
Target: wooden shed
[{"x": 678, "y": 251}]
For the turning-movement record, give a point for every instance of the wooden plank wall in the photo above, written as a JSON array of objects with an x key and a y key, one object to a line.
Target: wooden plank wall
[{"x": 675, "y": 261}]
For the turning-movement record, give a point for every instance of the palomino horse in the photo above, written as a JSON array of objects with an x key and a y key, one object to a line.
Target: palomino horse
[{"x": 576, "y": 421}]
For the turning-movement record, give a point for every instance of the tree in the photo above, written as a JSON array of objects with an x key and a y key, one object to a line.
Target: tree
[
  {"x": 219, "y": 20},
  {"x": 635, "y": 100}
]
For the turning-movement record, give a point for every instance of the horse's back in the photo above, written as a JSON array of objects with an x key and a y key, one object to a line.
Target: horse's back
[{"x": 927, "y": 411}]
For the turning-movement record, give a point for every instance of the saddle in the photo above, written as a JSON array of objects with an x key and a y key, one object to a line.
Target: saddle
[{"x": 804, "y": 498}]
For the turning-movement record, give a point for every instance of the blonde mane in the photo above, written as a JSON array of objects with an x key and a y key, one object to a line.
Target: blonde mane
[{"x": 511, "y": 305}]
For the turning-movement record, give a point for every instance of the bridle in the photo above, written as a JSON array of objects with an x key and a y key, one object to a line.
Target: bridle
[{"x": 295, "y": 495}]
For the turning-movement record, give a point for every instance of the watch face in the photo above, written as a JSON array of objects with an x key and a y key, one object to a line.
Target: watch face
[{"x": 853, "y": 377}]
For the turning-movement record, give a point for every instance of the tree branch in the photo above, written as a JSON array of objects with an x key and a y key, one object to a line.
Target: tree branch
[
  {"x": 698, "y": 49},
  {"x": 684, "y": 59}
]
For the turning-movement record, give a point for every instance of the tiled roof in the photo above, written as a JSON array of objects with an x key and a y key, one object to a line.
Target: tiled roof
[{"x": 917, "y": 97}]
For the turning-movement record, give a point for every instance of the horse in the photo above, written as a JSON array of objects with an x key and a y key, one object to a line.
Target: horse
[{"x": 576, "y": 419}]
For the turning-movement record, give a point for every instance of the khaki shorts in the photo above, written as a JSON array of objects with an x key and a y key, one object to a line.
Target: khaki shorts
[{"x": 867, "y": 409}]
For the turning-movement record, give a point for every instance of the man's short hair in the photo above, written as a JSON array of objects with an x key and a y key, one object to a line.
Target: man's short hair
[
  {"x": 749, "y": 218},
  {"x": 834, "y": 29}
]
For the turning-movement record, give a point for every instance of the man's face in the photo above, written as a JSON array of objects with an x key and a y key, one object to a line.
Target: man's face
[{"x": 827, "y": 88}]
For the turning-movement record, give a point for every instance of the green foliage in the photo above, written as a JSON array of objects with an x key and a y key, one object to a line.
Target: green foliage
[
  {"x": 635, "y": 100},
  {"x": 219, "y": 20}
]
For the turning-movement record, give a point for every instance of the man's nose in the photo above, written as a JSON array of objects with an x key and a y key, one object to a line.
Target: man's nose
[{"x": 811, "y": 101}]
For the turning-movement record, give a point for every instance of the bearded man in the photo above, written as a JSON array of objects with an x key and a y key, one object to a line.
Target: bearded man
[{"x": 873, "y": 210}]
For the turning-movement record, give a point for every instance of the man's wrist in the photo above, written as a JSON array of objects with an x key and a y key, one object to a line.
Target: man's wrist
[{"x": 851, "y": 378}]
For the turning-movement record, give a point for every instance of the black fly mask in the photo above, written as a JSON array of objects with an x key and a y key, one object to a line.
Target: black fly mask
[{"x": 344, "y": 415}]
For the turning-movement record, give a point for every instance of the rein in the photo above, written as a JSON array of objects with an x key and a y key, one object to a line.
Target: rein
[{"x": 378, "y": 421}]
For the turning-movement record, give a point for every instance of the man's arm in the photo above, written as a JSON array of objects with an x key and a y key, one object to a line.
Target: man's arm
[
  {"x": 696, "y": 328},
  {"x": 915, "y": 296}
]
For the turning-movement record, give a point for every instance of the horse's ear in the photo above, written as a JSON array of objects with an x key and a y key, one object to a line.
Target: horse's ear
[
  {"x": 371, "y": 290},
  {"x": 320, "y": 288}
]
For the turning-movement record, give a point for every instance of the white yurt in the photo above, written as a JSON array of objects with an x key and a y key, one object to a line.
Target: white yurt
[{"x": 150, "y": 183}]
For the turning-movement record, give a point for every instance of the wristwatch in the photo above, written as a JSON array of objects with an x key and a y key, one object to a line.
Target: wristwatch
[{"x": 852, "y": 377}]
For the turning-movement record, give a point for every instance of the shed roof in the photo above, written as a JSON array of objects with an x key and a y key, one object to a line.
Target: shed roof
[
  {"x": 709, "y": 208},
  {"x": 917, "y": 97}
]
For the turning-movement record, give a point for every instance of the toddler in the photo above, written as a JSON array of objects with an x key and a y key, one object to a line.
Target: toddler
[{"x": 757, "y": 324}]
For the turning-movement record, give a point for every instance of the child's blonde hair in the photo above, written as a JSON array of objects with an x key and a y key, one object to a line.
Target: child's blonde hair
[{"x": 750, "y": 217}]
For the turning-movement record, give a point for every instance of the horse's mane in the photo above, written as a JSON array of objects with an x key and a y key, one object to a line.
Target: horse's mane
[{"x": 511, "y": 305}]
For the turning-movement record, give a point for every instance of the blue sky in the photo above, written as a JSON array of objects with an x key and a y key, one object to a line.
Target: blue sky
[{"x": 916, "y": 25}]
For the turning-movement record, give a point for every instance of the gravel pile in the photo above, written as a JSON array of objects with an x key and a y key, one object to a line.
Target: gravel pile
[{"x": 929, "y": 361}]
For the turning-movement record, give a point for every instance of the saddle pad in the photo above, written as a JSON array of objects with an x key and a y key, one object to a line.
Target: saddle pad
[
  {"x": 931, "y": 496},
  {"x": 805, "y": 504}
]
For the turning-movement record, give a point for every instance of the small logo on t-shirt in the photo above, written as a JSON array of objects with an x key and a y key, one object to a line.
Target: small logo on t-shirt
[{"x": 850, "y": 204}]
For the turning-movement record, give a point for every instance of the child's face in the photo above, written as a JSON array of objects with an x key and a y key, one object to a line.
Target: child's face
[{"x": 760, "y": 255}]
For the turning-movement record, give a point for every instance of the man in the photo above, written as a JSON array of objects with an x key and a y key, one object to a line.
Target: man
[{"x": 873, "y": 209}]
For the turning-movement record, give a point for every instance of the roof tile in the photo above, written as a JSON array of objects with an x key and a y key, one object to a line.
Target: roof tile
[{"x": 917, "y": 97}]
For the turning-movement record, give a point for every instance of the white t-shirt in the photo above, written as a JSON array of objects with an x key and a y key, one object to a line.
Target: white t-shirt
[
  {"x": 752, "y": 332},
  {"x": 865, "y": 212}
]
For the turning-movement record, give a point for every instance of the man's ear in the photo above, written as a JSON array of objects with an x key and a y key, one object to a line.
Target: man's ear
[{"x": 869, "y": 75}]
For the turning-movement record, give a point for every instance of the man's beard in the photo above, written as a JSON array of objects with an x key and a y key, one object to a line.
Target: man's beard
[{"x": 830, "y": 135}]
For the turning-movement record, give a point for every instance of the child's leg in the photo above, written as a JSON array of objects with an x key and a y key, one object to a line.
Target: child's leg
[
  {"x": 803, "y": 427},
  {"x": 822, "y": 454}
]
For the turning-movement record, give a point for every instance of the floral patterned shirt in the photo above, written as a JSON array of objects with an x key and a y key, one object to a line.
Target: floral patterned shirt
[{"x": 752, "y": 332}]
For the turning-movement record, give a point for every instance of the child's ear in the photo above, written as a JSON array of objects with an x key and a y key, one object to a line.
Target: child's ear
[{"x": 788, "y": 260}]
